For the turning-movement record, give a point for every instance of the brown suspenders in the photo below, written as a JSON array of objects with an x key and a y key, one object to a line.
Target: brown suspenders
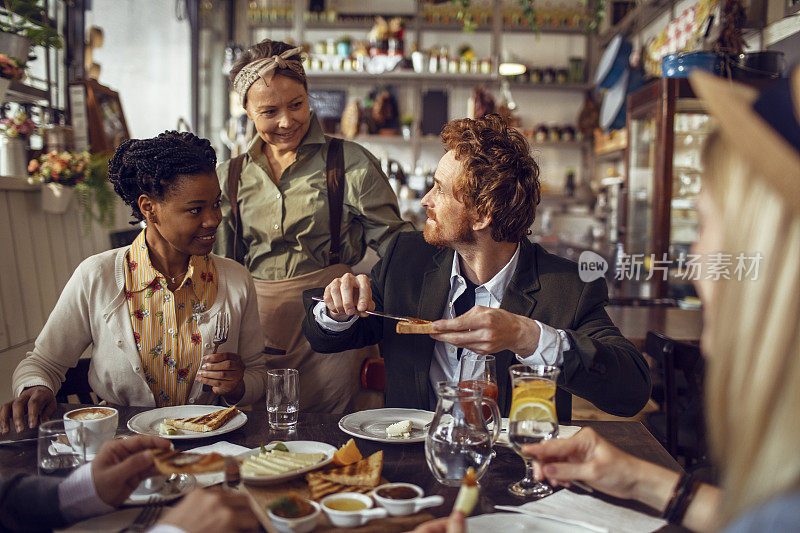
[{"x": 334, "y": 170}]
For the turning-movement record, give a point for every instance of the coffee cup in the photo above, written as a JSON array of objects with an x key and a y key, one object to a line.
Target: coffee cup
[
  {"x": 99, "y": 425},
  {"x": 404, "y": 498},
  {"x": 350, "y": 509}
]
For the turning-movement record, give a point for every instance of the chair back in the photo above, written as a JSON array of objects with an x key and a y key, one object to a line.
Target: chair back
[
  {"x": 683, "y": 369},
  {"x": 76, "y": 382}
]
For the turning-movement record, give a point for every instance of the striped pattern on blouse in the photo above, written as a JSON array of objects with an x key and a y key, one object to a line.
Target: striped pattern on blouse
[{"x": 165, "y": 322}]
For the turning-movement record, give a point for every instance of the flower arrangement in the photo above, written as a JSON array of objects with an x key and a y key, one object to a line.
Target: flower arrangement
[
  {"x": 65, "y": 168},
  {"x": 20, "y": 125},
  {"x": 10, "y": 68}
]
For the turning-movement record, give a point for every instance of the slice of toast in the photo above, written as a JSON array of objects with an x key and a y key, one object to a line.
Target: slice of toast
[
  {"x": 364, "y": 473},
  {"x": 319, "y": 487},
  {"x": 175, "y": 462},
  {"x": 203, "y": 423},
  {"x": 418, "y": 326}
]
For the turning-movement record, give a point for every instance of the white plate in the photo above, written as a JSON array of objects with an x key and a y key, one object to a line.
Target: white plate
[
  {"x": 149, "y": 422},
  {"x": 295, "y": 446},
  {"x": 372, "y": 424},
  {"x": 170, "y": 490}
]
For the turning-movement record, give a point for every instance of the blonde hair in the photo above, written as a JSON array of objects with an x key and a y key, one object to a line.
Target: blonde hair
[{"x": 753, "y": 384}]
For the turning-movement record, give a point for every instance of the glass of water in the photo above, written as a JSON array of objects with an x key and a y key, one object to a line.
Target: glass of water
[
  {"x": 283, "y": 398},
  {"x": 58, "y": 454}
]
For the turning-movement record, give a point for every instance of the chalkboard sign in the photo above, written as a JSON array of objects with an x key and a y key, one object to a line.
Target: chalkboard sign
[{"x": 327, "y": 103}]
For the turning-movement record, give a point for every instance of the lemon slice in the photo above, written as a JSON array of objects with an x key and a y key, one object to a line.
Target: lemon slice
[{"x": 533, "y": 410}]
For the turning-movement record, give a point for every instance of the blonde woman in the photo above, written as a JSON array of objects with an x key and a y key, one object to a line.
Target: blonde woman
[{"x": 750, "y": 204}]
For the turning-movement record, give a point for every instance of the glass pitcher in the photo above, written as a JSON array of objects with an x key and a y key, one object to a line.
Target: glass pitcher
[{"x": 459, "y": 437}]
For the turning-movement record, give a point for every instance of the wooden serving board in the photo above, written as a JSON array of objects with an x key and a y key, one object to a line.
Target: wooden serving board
[{"x": 262, "y": 496}]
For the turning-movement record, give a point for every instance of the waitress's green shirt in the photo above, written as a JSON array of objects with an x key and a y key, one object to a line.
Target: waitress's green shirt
[{"x": 286, "y": 232}]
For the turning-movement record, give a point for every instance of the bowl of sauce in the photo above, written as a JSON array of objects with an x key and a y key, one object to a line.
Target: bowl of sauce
[
  {"x": 404, "y": 498},
  {"x": 294, "y": 514},
  {"x": 350, "y": 509}
]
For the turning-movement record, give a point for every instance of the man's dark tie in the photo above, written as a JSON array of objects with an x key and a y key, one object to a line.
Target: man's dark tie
[{"x": 464, "y": 303}]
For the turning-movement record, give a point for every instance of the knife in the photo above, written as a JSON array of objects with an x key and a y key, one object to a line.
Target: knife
[
  {"x": 376, "y": 313},
  {"x": 4, "y": 442}
]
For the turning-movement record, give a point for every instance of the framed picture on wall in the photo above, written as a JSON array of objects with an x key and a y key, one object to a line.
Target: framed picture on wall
[{"x": 103, "y": 112}]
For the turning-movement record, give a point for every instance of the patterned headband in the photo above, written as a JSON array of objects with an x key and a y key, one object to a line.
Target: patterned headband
[{"x": 265, "y": 69}]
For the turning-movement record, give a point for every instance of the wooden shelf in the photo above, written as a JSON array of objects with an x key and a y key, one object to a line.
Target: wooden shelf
[
  {"x": 410, "y": 75},
  {"x": 559, "y": 144},
  {"x": 21, "y": 93},
  {"x": 17, "y": 183},
  {"x": 355, "y": 25}
]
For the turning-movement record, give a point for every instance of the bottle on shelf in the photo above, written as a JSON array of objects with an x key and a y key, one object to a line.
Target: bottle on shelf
[{"x": 569, "y": 184}]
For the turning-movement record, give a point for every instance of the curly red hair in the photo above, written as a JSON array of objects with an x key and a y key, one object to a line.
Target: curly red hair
[{"x": 500, "y": 177}]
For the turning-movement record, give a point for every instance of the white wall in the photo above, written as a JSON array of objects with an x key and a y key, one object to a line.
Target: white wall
[{"x": 146, "y": 58}]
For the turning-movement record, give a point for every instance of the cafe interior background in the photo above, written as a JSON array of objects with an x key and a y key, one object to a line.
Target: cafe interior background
[{"x": 597, "y": 86}]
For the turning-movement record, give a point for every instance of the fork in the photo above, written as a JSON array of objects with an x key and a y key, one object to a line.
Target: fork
[
  {"x": 220, "y": 336},
  {"x": 146, "y": 517}
]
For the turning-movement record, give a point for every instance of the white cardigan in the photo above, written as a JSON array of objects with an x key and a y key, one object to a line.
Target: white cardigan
[{"x": 92, "y": 310}]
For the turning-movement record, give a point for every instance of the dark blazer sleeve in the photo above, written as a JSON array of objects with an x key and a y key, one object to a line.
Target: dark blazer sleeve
[
  {"x": 602, "y": 366},
  {"x": 29, "y": 503},
  {"x": 365, "y": 331}
]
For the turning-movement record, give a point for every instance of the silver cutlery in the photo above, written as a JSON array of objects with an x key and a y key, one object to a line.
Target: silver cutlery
[
  {"x": 569, "y": 521},
  {"x": 4, "y": 442},
  {"x": 146, "y": 517},
  {"x": 376, "y": 313},
  {"x": 220, "y": 337}
]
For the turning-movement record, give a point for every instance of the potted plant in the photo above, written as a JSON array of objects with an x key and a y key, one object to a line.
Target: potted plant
[
  {"x": 14, "y": 133},
  {"x": 10, "y": 70},
  {"x": 24, "y": 23},
  {"x": 95, "y": 195},
  {"x": 59, "y": 173},
  {"x": 406, "y": 125}
]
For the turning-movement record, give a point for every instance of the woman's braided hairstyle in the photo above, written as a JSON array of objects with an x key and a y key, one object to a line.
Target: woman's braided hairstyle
[{"x": 153, "y": 166}]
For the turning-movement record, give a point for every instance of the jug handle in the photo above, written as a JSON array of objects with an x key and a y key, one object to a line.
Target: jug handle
[{"x": 496, "y": 418}]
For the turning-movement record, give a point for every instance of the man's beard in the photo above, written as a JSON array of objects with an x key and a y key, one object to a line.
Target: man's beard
[{"x": 462, "y": 235}]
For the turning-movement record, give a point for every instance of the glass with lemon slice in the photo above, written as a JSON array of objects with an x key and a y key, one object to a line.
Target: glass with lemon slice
[{"x": 532, "y": 418}]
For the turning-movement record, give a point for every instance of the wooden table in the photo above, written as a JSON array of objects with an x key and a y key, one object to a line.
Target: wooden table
[
  {"x": 402, "y": 462},
  {"x": 679, "y": 324}
]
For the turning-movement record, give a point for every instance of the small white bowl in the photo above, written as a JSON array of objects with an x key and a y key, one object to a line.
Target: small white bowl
[
  {"x": 351, "y": 518},
  {"x": 303, "y": 524},
  {"x": 397, "y": 507}
]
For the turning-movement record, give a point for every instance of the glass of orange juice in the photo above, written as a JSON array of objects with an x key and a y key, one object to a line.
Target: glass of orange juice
[{"x": 532, "y": 418}]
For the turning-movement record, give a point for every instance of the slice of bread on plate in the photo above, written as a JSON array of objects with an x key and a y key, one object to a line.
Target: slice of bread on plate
[
  {"x": 364, "y": 473},
  {"x": 203, "y": 423}
]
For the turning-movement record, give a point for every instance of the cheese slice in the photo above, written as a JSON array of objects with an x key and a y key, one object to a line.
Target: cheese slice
[{"x": 399, "y": 429}]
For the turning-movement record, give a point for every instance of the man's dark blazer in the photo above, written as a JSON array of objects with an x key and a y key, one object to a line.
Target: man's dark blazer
[
  {"x": 413, "y": 279},
  {"x": 29, "y": 503}
]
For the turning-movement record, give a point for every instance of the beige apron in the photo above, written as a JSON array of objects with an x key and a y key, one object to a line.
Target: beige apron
[{"x": 328, "y": 382}]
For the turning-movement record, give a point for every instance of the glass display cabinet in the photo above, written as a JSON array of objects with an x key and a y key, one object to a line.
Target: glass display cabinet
[{"x": 667, "y": 128}]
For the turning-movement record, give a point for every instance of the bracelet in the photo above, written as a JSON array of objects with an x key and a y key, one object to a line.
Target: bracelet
[{"x": 681, "y": 499}]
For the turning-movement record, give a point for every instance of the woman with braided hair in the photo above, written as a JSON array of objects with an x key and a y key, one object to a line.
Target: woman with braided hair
[
  {"x": 299, "y": 208},
  {"x": 150, "y": 309}
]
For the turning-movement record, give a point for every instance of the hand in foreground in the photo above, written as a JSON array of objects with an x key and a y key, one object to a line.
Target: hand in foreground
[
  {"x": 32, "y": 406},
  {"x": 224, "y": 372},
  {"x": 484, "y": 330},
  {"x": 348, "y": 295},
  {"x": 121, "y": 464},
  {"x": 455, "y": 523},
  {"x": 210, "y": 511},
  {"x": 589, "y": 458}
]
